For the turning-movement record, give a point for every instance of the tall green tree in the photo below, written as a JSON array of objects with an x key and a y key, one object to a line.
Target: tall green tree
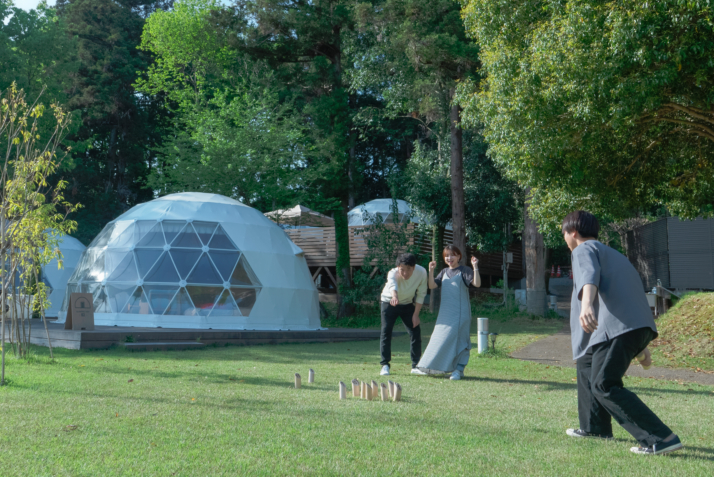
[
  {"x": 232, "y": 135},
  {"x": 599, "y": 105},
  {"x": 418, "y": 54},
  {"x": 303, "y": 42},
  {"x": 119, "y": 128}
]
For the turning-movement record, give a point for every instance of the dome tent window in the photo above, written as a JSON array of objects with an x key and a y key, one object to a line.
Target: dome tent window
[
  {"x": 157, "y": 263},
  {"x": 194, "y": 260}
]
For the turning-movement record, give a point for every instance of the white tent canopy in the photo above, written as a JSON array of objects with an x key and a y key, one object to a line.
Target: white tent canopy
[
  {"x": 56, "y": 278},
  {"x": 300, "y": 216},
  {"x": 360, "y": 215},
  {"x": 195, "y": 260}
]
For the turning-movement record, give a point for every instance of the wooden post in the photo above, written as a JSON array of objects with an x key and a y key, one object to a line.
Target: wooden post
[
  {"x": 343, "y": 390},
  {"x": 397, "y": 392},
  {"x": 362, "y": 392},
  {"x": 375, "y": 388},
  {"x": 391, "y": 388},
  {"x": 385, "y": 392},
  {"x": 368, "y": 391},
  {"x": 355, "y": 388},
  {"x": 311, "y": 376},
  {"x": 297, "y": 381}
]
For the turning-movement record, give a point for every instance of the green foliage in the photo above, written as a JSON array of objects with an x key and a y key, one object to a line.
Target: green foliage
[
  {"x": 32, "y": 211},
  {"x": 232, "y": 134},
  {"x": 602, "y": 106}
]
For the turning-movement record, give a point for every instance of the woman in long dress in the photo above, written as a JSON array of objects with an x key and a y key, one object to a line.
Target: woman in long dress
[{"x": 450, "y": 343}]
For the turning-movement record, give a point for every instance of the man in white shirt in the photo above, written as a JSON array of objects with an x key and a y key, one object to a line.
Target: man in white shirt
[{"x": 402, "y": 297}]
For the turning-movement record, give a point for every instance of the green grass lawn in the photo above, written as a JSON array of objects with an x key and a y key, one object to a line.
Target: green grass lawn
[{"x": 234, "y": 411}]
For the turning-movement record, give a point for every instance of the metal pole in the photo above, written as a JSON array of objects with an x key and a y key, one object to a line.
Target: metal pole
[{"x": 482, "y": 335}]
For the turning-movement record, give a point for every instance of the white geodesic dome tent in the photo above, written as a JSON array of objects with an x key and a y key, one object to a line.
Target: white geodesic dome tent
[
  {"x": 56, "y": 278},
  {"x": 362, "y": 214},
  {"x": 195, "y": 260}
]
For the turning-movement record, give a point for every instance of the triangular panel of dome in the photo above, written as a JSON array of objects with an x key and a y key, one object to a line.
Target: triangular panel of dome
[
  {"x": 163, "y": 271},
  {"x": 225, "y": 306},
  {"x": 141, "y": 228},
  {"x": 225, "y": 262},
  {"x": 101, "y": 301},
  {"x": 172, "y": 228},
  {"x": 125, "y": 271},
  {"x": 243, "y": 274},
  {"x": 102, "y": 239},
  {"x": 204, "y": 298},
  {"x": 146, "y": 258},
  {"x": 185, "y": 260},
  {"x": 160, "y": 296},
  {"x": 94, "y": 267},
  {"x": 245, "y": 298},
  {"x": 138, "y": 303},
  {"x": 118, "y": 296},
  {"x": 204, "y": 272},
  {"x": 204, "y": 231},
  {"x": 154, "y": 238},
  {"x": 221, "y": 240},
  {"x": 181, "y": 304},
  {"x": 123, "y": 238},
  {"x": 187, "y": 238}
]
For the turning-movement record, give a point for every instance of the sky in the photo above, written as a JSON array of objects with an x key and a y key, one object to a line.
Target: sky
[{"x": 30, "y": 4}]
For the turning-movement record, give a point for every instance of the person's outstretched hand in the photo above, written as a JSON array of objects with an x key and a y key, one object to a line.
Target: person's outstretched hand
[
  {"x": 474, "y": 262},
  {"x": 432, "y": 266},
  {"x": 394, "y": 301}
]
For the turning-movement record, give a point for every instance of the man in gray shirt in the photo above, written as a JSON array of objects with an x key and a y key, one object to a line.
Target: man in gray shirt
[{"x": 611, "y": 323}]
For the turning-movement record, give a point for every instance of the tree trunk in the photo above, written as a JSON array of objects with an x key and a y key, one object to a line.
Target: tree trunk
[
  {"x": 458, "y": 206},
  {"x": 535, "y": 265},
  {"x": 437, "y": 246},
  {"x": 342, "y": 261},
  {"x": 3, "y": 296}
]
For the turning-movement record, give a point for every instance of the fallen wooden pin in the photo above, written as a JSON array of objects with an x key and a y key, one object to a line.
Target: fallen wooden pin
[
  {"x": 297, "y": 381},
  {"x": 355, "y": 388},
  {"x": 343, "y": 390},
  {"x": 397, "y": 392},
  {"x": 391, "y": 388},
  {"x": 385, "y": 392},
  {"x": 311, "y": 376}
]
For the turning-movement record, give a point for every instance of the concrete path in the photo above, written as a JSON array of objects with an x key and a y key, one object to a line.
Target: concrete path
[{"x": 556, "y": 350}]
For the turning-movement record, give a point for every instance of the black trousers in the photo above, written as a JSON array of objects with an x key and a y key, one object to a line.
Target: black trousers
[
  {"x": 389, "y": 318},
  {"x": 602, "y": 395}
]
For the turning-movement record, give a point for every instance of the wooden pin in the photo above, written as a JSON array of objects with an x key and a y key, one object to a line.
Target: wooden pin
[
  {"x": 397, "y": 392},
  {"x": 355, "y": 388},
  {"x": 368, "y": 391},
  {"x": 362, "y": 394},
  {"x": 297, "y": 381},
  {"x": 391, "y": 388},
  {"x": 343, "y": 390},
  {"x": 375, "y": 389},
  {"x": 311, "y": 376},
  {"x": 385, "y": 392}
]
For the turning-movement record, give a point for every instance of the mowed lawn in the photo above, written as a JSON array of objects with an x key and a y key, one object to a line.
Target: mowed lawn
[{"x": 234, "y": 411}]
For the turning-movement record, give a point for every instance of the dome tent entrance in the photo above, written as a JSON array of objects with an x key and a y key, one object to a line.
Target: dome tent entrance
[{"x": 195, "y": 260}]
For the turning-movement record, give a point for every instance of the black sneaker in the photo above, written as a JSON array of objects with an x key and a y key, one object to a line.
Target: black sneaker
[
  {"x": 659, "y": 448},
  {"x": 582, "y": 433}
]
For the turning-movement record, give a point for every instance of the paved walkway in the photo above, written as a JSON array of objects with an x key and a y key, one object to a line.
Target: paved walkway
[{"x": 556, "y": 350}]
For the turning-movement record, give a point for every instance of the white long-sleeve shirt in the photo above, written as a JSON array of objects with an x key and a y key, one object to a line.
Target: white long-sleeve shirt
[{"x": 406, "y": 289}]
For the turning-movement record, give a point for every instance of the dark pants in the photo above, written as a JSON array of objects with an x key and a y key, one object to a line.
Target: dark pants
[
  {"x": 601, "y": 392},
  {"x": 389, "y": 317}
]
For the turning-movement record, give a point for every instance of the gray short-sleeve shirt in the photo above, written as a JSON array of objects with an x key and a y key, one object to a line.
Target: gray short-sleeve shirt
[{"x": 621, "y": 304}]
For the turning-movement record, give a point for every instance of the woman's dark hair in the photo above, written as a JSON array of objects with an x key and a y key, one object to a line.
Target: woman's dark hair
[
  {"x": 584, "y": 223},
  {"x": 408, "y": 259},
  {"x": 453, "y": 249}
]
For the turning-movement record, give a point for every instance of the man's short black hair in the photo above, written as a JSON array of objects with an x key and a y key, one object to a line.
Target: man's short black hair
[
  {"x": 408, "y": 259},
  {"x": 584, "y": 223}
]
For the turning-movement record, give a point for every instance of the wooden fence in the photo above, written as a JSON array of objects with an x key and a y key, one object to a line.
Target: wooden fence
[{"x": 319, "y": 246}]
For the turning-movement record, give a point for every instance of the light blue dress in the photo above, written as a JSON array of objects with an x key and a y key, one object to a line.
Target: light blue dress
[{"x": 450, "y": 343}]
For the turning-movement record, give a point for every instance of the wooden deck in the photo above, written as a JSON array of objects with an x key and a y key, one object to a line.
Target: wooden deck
[{"x": 319, "y": 247}]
